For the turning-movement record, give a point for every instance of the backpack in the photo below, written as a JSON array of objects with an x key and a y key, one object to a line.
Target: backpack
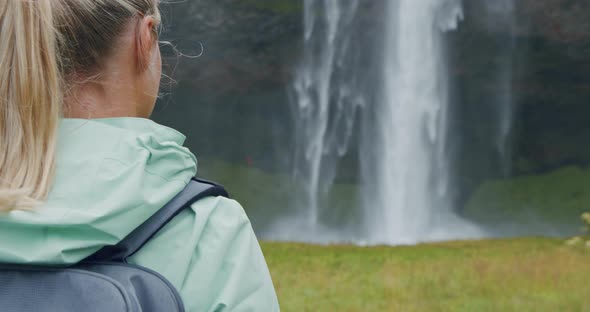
[{"x": 104, "y": 281}]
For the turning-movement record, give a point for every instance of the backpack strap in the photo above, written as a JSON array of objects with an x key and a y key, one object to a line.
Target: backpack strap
[{"x": 195, "y": 190}]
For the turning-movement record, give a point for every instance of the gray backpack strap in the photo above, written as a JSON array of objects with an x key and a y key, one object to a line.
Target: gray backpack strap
[{"x": 195, "y": 190}]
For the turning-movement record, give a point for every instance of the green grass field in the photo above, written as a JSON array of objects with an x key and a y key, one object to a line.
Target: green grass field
[{"x": 526, "y": 274}]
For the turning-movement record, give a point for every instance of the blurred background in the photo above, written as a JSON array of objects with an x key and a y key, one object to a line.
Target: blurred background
[{"x": 395, "y": 122}]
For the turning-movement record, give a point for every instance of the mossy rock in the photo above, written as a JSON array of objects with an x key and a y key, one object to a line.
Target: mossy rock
[
  {"x": 266, "y": 196},
  {"x": 557, "y": 198}
]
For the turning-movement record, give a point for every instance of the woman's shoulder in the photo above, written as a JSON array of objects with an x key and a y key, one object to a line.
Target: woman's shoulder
[
  {"x": 222, "y": 211},
  {"x": 208, "y": 228},
  {"x": 211, "y": 254}
]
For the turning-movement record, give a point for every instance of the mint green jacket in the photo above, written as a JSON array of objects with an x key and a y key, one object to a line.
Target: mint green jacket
[{"x": 113, "y": 174}]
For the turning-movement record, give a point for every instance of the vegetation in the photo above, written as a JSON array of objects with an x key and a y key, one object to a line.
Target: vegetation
[
  {"x": 529, "y": 274},
  {"x": 551, "y": 201},
  {"x": 247, "y": 183},
  {"x": 577, "y": 240},
  {"x": 557, "y": 197}
]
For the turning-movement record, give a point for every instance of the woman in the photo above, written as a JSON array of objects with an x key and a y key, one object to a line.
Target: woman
[{"x": 69, "y": 186}]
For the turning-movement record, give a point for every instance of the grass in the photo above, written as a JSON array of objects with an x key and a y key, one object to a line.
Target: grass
[{"x": 526, "y": 274}]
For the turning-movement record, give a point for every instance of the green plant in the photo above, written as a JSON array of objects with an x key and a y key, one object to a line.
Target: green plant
[{"x": 585, "y": 237}]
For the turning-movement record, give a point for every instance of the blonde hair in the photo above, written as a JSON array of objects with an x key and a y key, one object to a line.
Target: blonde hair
[{"x": 42, "y": 43}]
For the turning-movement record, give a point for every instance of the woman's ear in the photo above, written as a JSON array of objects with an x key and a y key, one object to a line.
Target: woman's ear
[{"x": 145, "y": 39}]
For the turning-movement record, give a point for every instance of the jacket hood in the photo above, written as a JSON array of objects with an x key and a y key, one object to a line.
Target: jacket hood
[{"x": 111, "y": 175}]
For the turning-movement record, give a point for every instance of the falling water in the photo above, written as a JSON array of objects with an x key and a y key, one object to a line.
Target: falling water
[
  {"x": 403, "y": 153},
  {"x": 412, "y": 189},
  {"x": 327, "y": 96},
  {"x": 500, "y": 16}
]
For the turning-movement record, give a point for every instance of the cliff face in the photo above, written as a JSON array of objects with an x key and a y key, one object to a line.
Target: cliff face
[
  {"x": 240, "y": 35},
  {"x": 537, "y": 59},
  {"x": 244, "y": 43},
  {"x": 238, "y": 88},
  {"x": 555, "y": 86}
]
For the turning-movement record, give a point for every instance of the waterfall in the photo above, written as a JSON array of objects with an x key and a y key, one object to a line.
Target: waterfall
[
  {"x": 412, "y": 181},
  {"x": 405, "y": 176},
  {"x": 327, "y": 97},
  {"x": 500, "y": 14}
]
